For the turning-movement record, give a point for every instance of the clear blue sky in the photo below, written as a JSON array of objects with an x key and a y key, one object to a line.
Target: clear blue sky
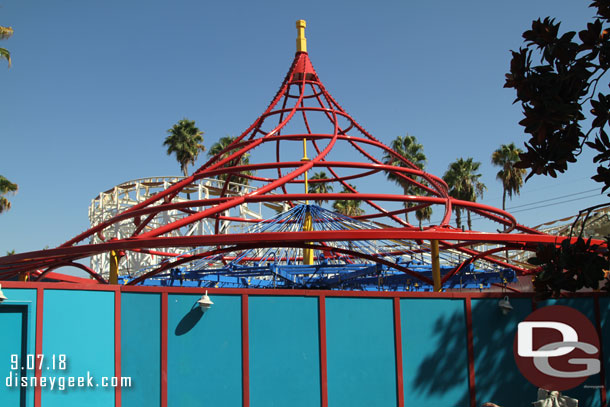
[{"x": 95, "y": 84}]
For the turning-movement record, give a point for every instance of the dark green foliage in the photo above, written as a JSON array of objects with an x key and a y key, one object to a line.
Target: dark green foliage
[
  {"x": 554, "y": 94},
  {"x": 569, "y": 267}
]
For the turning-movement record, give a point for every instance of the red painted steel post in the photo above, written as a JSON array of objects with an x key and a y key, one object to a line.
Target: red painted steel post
[
  {"x": 400, "y": 396},
  {"x": 117, "y": 346},
  {"x": 470, "y": 342},
  {"x": 164, "y": 297},
  {"x": 534, "y": 304},
  {"x": 245, "y": 351},
  {"x": 38, "y": 345},
  {"x": 323, "y": 363}
]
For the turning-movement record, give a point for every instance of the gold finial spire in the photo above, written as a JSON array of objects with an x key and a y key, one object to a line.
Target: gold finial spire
[{"x": 301, "y": 40}]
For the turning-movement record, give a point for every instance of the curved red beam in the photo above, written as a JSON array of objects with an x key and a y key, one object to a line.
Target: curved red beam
[
  {"x": 89, "y": 271},
  {"x": 27, "y": 260}
]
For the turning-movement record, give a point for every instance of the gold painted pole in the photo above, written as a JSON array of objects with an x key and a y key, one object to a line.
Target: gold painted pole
[
  {"x": 113, "y": 278},
  {"x": 436, "y": 265},
  {"x": 301, "y": 40},
  {"x": 308, "y": 223},
  {"x": 305, "y": 159}
]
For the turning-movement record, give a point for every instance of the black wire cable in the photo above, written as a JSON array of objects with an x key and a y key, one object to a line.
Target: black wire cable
[{"x": 479, "y": 217}]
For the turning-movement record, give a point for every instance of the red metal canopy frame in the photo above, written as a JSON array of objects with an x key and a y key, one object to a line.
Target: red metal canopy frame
[{"x": 301, "y": 106}]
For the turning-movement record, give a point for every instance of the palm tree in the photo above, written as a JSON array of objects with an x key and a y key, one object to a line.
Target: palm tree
[
  {"x": 185, "y": 141},
  {"x": 409, "y": 148},
  {"x": 348, "y": 207},
  {"x": 424, "y": 213},
  {"x": 463, "y": 181},
  {"x": 6, "y": 186},
  {"x": 5, "y": 32},
  {"x": 244, "y": 159},
  {"x": 512, "y": 178},
  {"x": 320, "y": 187}
]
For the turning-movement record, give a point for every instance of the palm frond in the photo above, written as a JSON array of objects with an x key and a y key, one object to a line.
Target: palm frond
[
  {"x": 4, "y": 54},
  {"x": 185, "y": 140},
  {"x": 6, "y": 186},
  {"x": 5, "y": 32}
]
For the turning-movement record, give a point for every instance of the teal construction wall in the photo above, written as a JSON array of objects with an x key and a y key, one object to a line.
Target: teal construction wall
[
  {"x": 281, "y": 363},
  {"x": 18, "y": 327},
  {"x": 497, "y": 377},
  {"x": 583, "y": 393},
  {"x": 141, "y": 348},
  {"x": 434, "y": 352},
  {"x": 80, "y": 325},
  {"x": 284, "y": 357},
  {"x": 204, "y": 352},
  {"x": 360, "y": 352}
]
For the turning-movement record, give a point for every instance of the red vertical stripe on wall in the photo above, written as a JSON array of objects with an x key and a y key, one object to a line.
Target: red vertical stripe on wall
[
  {"x": 38, "y": 345},
  {"x": 534, "y": 304},
  {"x": 164, "y": 349},
  {"x": 602, "y": 373},
  {"x": 473, "y": 394},
  {"x": 398, "y": 344},
  {"x": 117, "y": 346},
  {"x": 245, "y": 351},
  {"x": 322, "y": 330}
]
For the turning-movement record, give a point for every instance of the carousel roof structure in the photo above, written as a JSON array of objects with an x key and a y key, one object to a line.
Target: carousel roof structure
[{"x": 271, "y": 165}]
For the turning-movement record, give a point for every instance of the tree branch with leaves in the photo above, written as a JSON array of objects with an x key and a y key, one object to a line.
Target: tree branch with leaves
[{"x": 555, "y": 93}]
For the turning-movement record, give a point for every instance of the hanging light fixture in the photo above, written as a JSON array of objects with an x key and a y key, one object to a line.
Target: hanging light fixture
[
  {"x": 505, "y": 306},
  {"x": 2, "y": 296},
  {"x": 204, "y": 302}
]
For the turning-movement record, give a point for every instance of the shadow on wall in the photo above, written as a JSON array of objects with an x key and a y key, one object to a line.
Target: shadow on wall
[
  {"x": 189, "y": 320},
  {"x": 497, "y": 377},
  {"x": 440, "y": 372}
]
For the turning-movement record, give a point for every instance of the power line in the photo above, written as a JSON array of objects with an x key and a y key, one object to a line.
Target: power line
[
  {"x": 544, "y": 206},
  {"x": 553, "y": 186},
  {"x": 478, "y": 217},
  {"x": 551, "y": 199},
  {"x": 556, "y": 203}
]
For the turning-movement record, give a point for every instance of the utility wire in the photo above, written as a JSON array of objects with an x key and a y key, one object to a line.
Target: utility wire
[
  {"x": 478, "y": 217},
  {"x": 557, "y": 203},
  {"x": 551, "y": 199}
]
